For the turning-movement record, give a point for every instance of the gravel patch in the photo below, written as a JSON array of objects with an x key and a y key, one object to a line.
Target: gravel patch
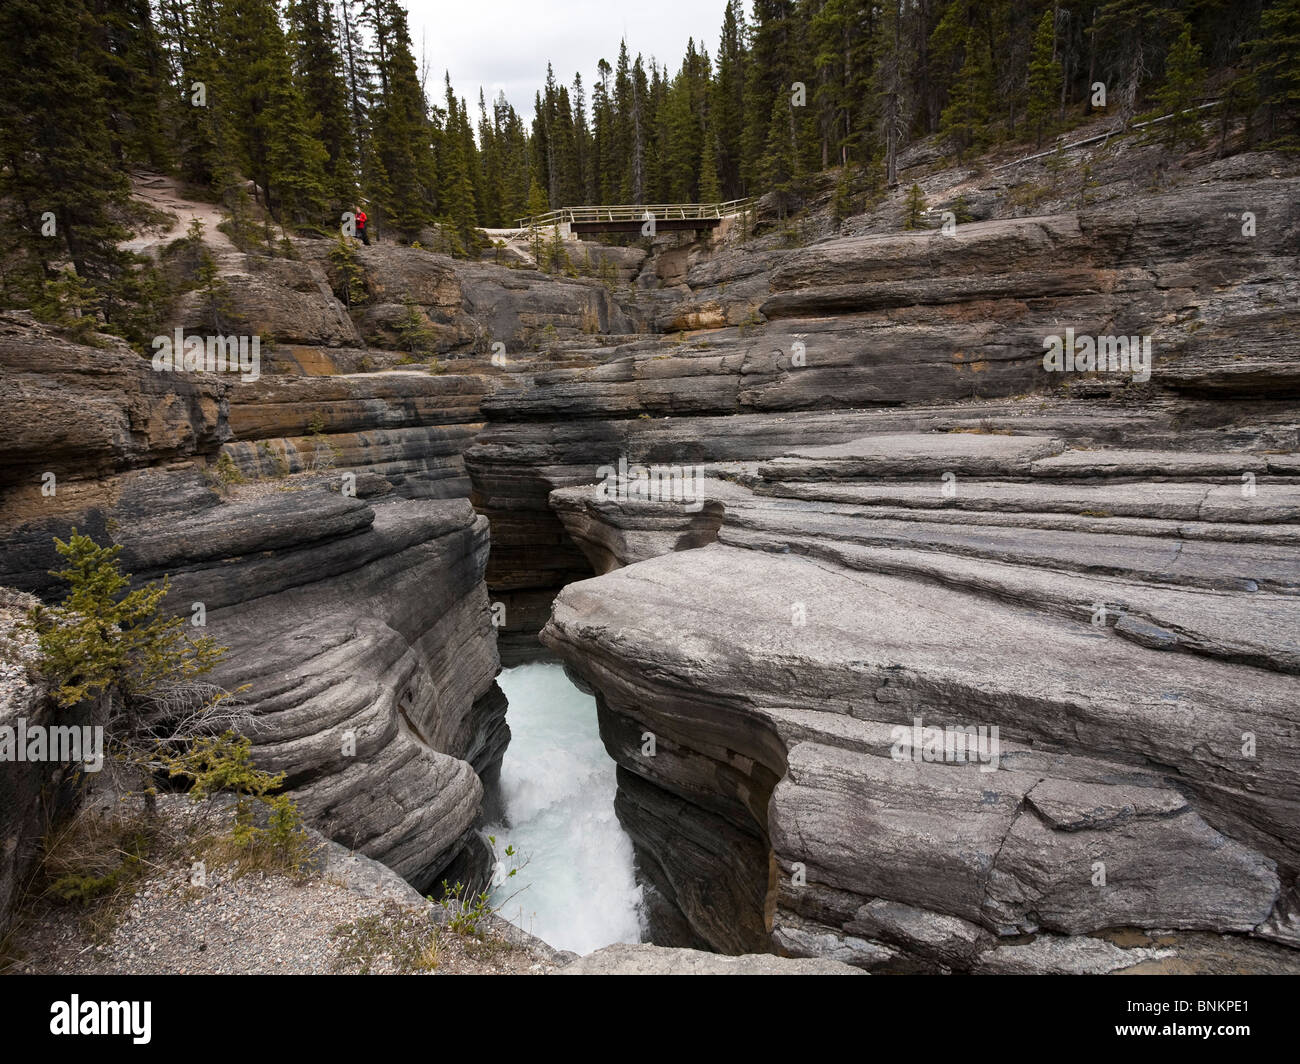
[{"x": 348, "y": 915}]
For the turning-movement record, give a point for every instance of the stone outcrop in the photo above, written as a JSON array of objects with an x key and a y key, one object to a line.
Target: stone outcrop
[
  {"x": 907, "y": 516},
  {"x": 646, "y": 959},
  {"x": 33, "y": 794},
  {"x": 321, "y": 520},
  {"x": 318, "y": 514},
  {"x": 782, "y": 669}
]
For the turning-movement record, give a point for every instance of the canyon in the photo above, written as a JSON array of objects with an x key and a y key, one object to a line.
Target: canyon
[{"x": 905, "y": 517}]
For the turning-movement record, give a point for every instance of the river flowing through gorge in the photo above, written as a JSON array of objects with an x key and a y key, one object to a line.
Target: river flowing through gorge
[{"x": 575, "y": 887}]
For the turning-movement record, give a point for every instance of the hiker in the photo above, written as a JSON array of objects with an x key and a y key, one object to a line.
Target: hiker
[{"x": 361, "y": 227}]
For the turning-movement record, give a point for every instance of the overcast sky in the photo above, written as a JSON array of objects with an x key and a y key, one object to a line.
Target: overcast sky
[{"x": 505, "y": 44}]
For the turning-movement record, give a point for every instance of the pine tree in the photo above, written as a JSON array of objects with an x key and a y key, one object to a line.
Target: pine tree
[
  {"x": 621, "y": 142},
  {"x": 61, "y": 191},
  {"x": 321, "y": 77},
  {"x": 965, "y": 121},
  {"x": 356, "y": 73},
  {"x": 399, "y": 172},
  {"x": 1130, "y": 34},
  {"x": 727, "y": 103},
  {"x": 555, "y": 157},
  {"x": 639, "y": 124},
  {"x": 1180, "y": 94},
  {"x": 914, "y": 212},
  {"x": 1275, "y": 59},
  {"x": 603, "y": 136},
  {"x": 1044, "y": 76},
  {"x": 891, "y": 87},
  {"x": 778, "y": 166}
]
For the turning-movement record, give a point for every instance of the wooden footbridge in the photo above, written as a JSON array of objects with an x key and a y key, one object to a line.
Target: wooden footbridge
[{"x": 630, "y": 218}]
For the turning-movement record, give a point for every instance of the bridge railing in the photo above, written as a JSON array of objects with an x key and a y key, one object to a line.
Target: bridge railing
[{"x": 635, "y": 212}]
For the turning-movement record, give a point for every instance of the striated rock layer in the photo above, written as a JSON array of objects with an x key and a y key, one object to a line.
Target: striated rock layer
[
  {"x": 1141, "y": 673},
  {"x": 910, "y": 524}
]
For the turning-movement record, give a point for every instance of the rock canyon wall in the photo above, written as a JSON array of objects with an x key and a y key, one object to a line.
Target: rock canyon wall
[{"x": 907, "y": 523}]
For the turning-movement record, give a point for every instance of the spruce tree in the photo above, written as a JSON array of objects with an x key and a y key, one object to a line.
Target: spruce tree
[
  {"x": 1275, "y": 59},
  {"x": 914, "y": 212},
  {"x": 399, "y": 172},
  {"x": 134, "y": 71},
  {"x": 779, "y": 164},
  {"x": 680, "y": 156},
  {"x": 965, "y": 121},
  {"x": 769, "y": 75},
  {"x": 264, "y": 116},
  {"x": 564, "y": 145},
  {"x": 513, "y": 140},
  {"x": 61, "y": 190},
  {"x": 455, "y": 190},
  {"x": 582, "y": 143},
  {"x": 1180, "y": 94},
  {"x": 321, "y": 78},
  {"x": 708, "y": 184},
  {"x": 491, "y": 168},
  {"x": 1044, "y": 77},
  {"x": 189, "y": 32},
  {"x": 727, "y": 102}
]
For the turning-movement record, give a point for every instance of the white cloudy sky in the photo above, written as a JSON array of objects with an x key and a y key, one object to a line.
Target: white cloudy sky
[{"x": 505, "y": 44}]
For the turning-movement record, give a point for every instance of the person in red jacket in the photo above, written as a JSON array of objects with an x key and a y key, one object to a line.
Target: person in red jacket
[{"x": 361, "y": 227}]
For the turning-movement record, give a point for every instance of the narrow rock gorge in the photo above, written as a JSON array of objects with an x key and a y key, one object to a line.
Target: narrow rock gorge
[{"x": 906, "y": 523}]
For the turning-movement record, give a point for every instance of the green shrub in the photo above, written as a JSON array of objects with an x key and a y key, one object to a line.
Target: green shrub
[
  {"x": 914, "y": 211},
  {"x": 224, "y": 764},
  {"x": 68, "y": 306},
  {"x": 100, "y": 641},
  {"x": 351, "y": 284},
  {"x": 415, "y": 333},
  {"x": 227, "y": 472}
]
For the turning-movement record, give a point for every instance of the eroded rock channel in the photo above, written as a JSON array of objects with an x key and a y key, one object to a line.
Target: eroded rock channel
[{"x": 906, "y": 523}]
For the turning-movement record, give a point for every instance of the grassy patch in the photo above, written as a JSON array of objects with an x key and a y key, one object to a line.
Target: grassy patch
[{"x": 406, "y": 939}]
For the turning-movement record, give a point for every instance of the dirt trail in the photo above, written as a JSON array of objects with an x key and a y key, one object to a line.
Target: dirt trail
[{"x": 163, "y": 193}]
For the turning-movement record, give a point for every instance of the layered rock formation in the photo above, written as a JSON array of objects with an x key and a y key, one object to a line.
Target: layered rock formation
[
  {"x": 317, "y": 511},
  {"x": 358, "y": 625},
  {"x": 908, "y": 523},
  {"x": 908, "y": 518},
  {"x": 1140, "y": 672}
]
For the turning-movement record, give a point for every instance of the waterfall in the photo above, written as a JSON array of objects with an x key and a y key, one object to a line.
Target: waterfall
[{"x": 575, "y": 887}]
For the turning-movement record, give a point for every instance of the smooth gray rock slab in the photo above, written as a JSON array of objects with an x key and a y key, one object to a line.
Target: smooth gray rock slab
[
  {"x": 914, "y": 454},
  {"x": 1119, "y": 463},
  {"x": 645, "y": 959},
  {"x": 1050, "y": 955}
]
